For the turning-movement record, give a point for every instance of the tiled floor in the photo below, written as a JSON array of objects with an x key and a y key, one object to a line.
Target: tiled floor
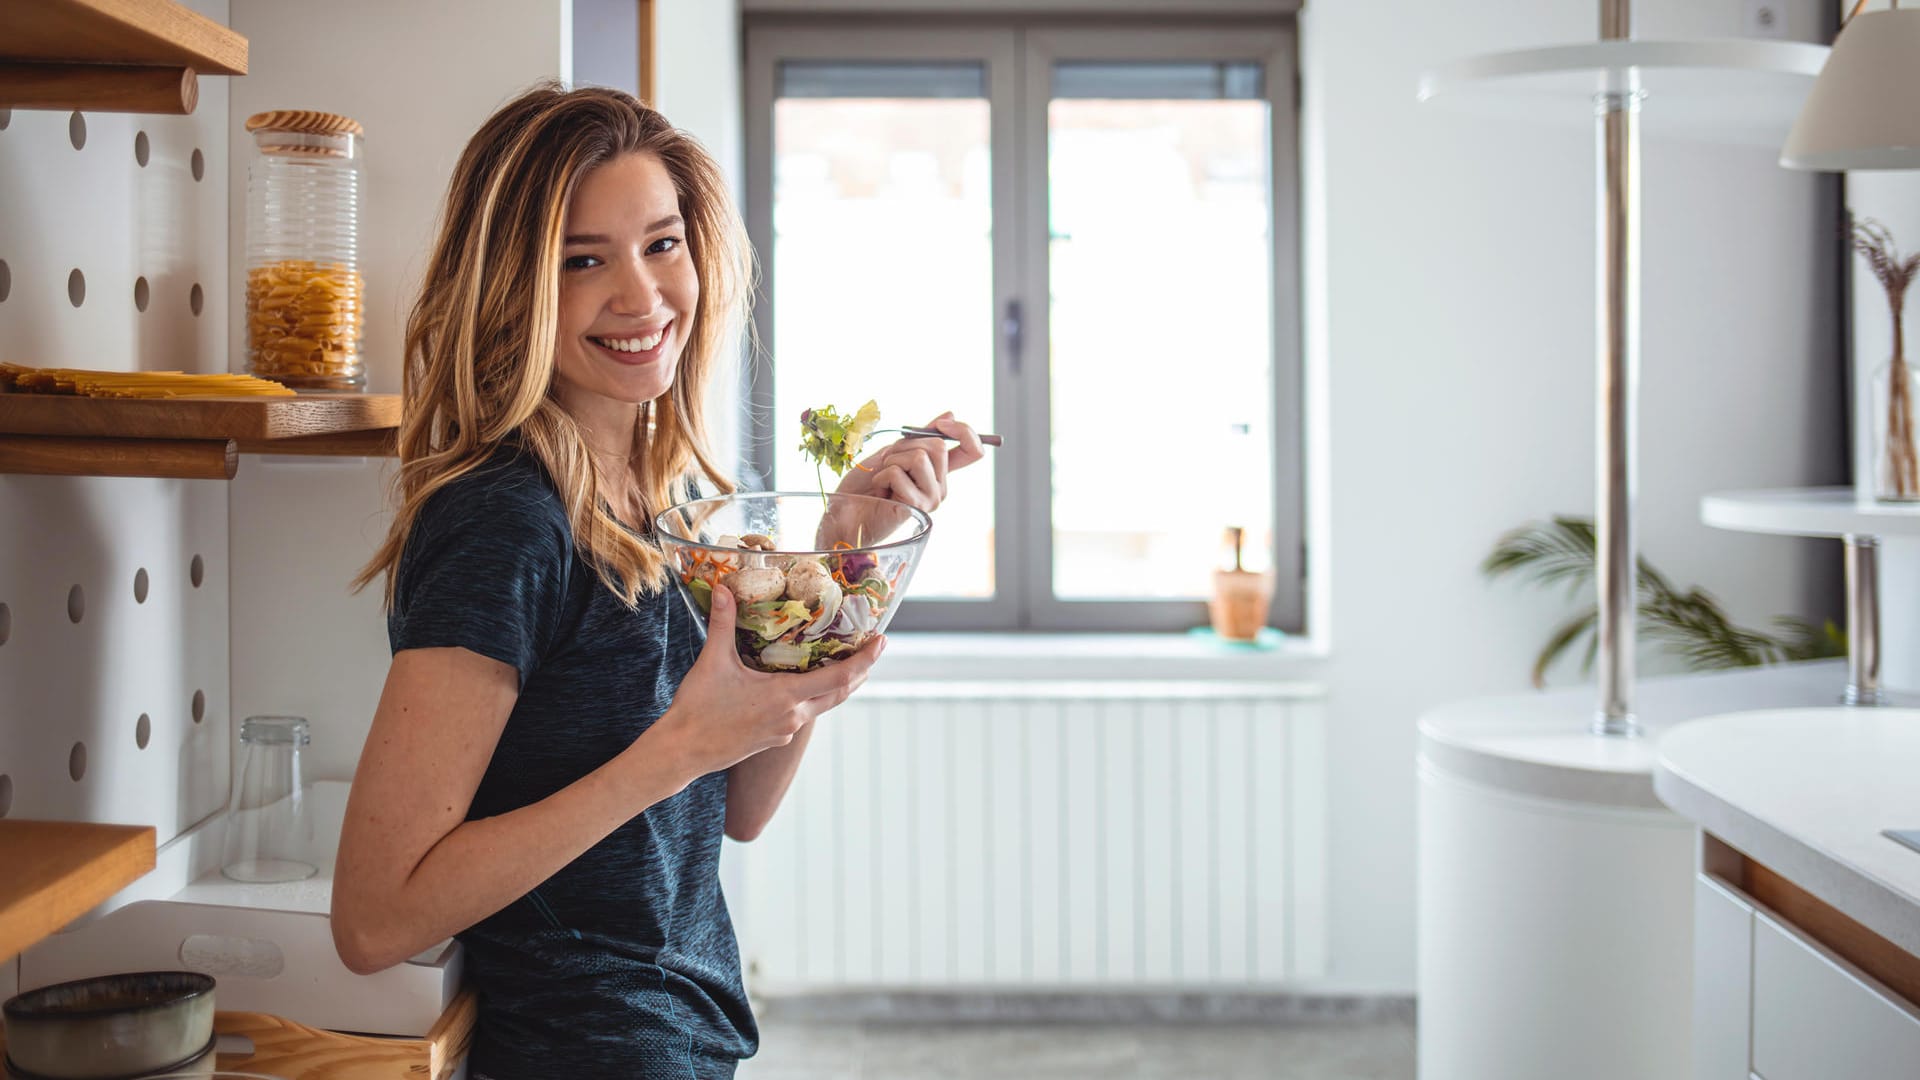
[{"x": 807, "y": 1049}]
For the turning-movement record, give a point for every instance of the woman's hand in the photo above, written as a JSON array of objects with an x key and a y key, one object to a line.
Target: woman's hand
[
  {"x": 914, "y": 471},
  {"x": 725, "y": 712}
]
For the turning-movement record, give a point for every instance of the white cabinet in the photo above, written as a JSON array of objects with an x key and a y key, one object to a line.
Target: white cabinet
[
  {"x": 1722, "y": 980},
  {"x": 1817, "y": 1017},
  {"x": 1771, "y": 1003}
]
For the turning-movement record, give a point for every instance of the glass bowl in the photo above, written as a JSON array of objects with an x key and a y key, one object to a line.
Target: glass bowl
[{"x": 823, "y": 574}]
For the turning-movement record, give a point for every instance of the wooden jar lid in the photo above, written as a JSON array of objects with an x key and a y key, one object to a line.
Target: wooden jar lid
[{"x": 304, "y": 122}]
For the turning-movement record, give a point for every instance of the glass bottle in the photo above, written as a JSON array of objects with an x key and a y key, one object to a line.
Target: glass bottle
[
  {"x": 305, "y": 297},
  {"x": 269, "y": 826}
]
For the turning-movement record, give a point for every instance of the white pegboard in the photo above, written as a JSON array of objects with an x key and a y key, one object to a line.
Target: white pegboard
[{"x": 152, "y": 233}]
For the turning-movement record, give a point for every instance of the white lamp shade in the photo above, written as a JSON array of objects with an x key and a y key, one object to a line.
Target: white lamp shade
[{"x": 1864, "y": 111}]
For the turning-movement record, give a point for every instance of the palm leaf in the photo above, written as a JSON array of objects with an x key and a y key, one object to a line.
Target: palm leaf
[
  {"x": 1689, "y": 623},
  {"x": 1563, "y": 638}
]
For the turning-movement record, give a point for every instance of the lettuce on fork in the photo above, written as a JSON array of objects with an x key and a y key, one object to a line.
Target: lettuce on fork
[{"x": 834, "y": 440}]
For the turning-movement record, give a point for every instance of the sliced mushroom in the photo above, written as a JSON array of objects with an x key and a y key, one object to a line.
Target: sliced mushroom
[
  {"x": 806, "y": 580},
  {"x": 757, "y": 583}
]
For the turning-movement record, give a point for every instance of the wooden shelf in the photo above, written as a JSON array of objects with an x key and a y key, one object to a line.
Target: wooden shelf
[
  {"x": 186, "y": 438},
  {"x": 132, "y": 33},
  {"x": 111, "y": 55},
  {"x": 57, "y": 871}
]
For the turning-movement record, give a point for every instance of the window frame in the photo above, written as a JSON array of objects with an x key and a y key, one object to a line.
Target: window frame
[{"x": 1018, "y": 55}]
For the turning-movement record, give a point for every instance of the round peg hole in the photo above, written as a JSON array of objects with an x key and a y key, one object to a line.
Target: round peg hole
[
  {"x": 142, "y": 294},
  {"x": 196, "y": 299},
  {"x": 76, "y": 603},
  {"x": 142, "y": 149},
  {"x": 143, "y": 731},
  {"x": 199, "y": 706},
  {"x": 6, "y": 623},
  {"x": 76, "y": 287},
  {"x": 77, "y": 762},
  {"x": 6, "y": 794},
  {"x": 77, "y": 130},
  {"x": 196, "y": 571},
  {"x": 199, "y": 164},
  {"x": 6, "y": 118},
  {"x": 6, "y": 279},
  {"x": 140, "y": 586}
]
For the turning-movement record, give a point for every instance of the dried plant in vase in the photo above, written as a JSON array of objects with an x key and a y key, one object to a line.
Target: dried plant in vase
[{"x": 1896, "y": 459}]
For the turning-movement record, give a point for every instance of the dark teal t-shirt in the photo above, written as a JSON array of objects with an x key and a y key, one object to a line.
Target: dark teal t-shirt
[{"x": 623, "y": 964}]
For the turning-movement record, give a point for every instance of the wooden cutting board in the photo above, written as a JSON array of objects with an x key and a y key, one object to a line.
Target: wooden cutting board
[
  {"x": 242, "y": 418},
  {"x": 297, "y": 1052}
]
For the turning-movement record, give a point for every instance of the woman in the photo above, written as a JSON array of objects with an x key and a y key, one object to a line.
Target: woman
[{"x": 555, "y": 755}]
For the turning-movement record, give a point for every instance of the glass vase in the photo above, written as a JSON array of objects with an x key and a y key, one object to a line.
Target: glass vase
[{"x": 1896, "y": 450}]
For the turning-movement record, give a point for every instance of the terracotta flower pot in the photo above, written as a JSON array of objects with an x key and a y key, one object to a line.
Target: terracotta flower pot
[{"x": 1240, "y": 602}]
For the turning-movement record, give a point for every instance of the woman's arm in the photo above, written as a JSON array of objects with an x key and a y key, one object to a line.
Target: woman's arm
[{"x": 412, "y": 870}]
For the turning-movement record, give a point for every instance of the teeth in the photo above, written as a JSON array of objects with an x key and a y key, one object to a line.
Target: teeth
[{"x": 633, "y": 344}]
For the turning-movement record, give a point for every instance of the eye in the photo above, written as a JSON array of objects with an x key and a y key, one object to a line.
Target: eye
[
  {"x": 665, "y": 244},
  {"x": 581, "y": 262}
]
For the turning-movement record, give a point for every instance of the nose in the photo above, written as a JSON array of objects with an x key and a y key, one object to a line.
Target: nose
[{"x": 636, "y": 293}]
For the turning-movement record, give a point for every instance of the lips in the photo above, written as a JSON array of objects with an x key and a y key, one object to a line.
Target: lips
[{"x": 634, "y": 347}]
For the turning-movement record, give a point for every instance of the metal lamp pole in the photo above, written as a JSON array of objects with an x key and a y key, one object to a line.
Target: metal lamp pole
[{"x": 1618, "y": 129}]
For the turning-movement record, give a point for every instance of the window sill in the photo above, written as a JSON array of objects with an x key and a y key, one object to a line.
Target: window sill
[{"x": 920, "y": 655}]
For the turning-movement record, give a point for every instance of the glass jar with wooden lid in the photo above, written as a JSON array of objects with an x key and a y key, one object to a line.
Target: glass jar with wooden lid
[{"x": 305, "y": 297}]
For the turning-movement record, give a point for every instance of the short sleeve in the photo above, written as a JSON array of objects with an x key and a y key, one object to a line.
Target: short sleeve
[{"x": 485, "y": 569}]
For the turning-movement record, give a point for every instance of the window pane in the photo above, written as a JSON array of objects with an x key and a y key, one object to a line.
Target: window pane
[
  {"x": 1161, "y": 249},
  {"x": 826, "y": 79},
  {"x": 1157, "y": 82},
  {"x": 883, "y": 259}
]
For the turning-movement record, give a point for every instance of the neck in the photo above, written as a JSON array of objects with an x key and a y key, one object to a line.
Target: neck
[{"x": 610, "y": 428}]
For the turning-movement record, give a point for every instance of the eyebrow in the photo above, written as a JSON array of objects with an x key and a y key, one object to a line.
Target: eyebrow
[{"x": 602, "y": 238}]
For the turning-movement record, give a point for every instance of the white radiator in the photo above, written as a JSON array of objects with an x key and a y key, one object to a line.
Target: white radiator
[{"x": 1022, "y": 835}]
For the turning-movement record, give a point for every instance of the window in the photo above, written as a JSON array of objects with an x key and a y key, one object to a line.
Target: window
[{"x": 1084, "y": 239}]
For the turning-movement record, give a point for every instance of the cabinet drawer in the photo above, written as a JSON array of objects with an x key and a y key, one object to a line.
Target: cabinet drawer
[
  {"x": 1722, "y": 980},
  {"x": 1817, "y": 1017}
]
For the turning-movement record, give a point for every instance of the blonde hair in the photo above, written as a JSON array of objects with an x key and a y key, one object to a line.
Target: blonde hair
[{"x": 482, "y": 337}]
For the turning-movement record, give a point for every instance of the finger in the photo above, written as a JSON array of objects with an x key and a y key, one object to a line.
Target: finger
[
  {"x": 896, "y": 484},
  {"x": 840, "y": 675},
  {"x": 929, "y": 473},
  {"x": 936, "y": 451},
  {"x": 969, "y": 448},
  {"x": 720, "y": 619}
]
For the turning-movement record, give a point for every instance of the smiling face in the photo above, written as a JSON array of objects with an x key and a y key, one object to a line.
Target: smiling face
[{"x": 627, "y": 287}]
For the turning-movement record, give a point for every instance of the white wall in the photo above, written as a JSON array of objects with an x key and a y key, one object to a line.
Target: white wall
[
  {"x": 421, "y": 77},
  {"x": 697, "y": 57},
  {"x": 426, "y": 75},
  {"x": 1451, "y": 288}
]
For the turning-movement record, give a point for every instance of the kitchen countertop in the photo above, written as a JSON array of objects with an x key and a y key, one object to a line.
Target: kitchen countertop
[
  {"x": 1807, "y": 792},
  {"x": 1540, "y": 744}
]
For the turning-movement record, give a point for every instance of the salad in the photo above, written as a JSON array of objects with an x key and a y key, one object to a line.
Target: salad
[
  {"x": 794, "y": 612},
  {"x": 834, "y": 440}
]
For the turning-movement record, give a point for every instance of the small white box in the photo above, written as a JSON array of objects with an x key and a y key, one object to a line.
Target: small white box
[{"x": 269, "y": 948}]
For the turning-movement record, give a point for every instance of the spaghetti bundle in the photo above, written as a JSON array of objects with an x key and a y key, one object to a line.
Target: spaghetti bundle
[{"x": 19, "y": 379}]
